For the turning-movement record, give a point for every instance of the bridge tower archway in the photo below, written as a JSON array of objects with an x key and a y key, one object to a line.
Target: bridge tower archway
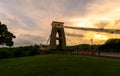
[{"x": 57, "y": 37}]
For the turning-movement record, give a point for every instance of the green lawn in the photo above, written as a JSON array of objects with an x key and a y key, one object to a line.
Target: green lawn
[{"x": 60, "y": 65}]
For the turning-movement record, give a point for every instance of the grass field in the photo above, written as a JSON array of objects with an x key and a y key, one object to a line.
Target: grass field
[{"x": 60, "y": 65}]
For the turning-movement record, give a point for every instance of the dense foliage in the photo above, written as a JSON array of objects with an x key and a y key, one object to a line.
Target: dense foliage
[
  {"x": 36, "y": 49},
  {"x": 19, "y": 51},
  {"x": 5, "y": 36},
  {"x": 112, "y": 45}
]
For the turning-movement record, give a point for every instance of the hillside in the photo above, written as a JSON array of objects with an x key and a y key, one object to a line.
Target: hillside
[{"x": 60, "y": 65}]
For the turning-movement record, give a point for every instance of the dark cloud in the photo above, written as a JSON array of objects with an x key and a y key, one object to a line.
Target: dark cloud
[
  {"x": 74, "y": 35},
  {"x": 66, "y": 8},
  {"x": 102, "y": 24},
  {"x": 20, "y": 10},
  {"x": 27, "y": 39},
  {"x": 105, "y": 23},
  {"x": 28, "y": 22},
  {"x": 76, "y": 7}
]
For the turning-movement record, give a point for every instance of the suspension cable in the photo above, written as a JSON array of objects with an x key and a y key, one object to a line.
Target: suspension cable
[{"x": 115, "y": 31}]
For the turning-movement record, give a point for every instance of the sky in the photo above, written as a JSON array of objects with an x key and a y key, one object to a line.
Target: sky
[{"x": 30, "y": 20}]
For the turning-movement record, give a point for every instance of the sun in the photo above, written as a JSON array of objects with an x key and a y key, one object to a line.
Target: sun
[{"x": 100, "y": 37}]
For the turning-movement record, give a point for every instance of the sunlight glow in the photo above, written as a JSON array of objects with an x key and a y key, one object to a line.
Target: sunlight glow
[
  {"x": 100, "y": 37},
  {"x": 86, "y": 22}
]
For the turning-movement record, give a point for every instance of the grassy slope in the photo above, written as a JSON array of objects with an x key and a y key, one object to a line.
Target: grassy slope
[{"x": 60, "y": 65}]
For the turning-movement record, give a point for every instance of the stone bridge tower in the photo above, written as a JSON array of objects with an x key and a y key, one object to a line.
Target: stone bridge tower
[{"x": 57, "y": 37}]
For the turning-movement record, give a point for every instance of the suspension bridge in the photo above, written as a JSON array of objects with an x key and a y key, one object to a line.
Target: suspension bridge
[{"x": 57, "y": 37}]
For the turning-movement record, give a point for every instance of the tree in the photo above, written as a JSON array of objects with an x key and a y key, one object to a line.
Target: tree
[
  {"x": 6, "y": 36},
  {"x": 114, "y": 44},
  {"x": 111, "y": 44}
]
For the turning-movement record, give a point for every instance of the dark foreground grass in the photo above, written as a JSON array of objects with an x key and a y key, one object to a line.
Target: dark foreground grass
[{"x": 60, "y": 65}]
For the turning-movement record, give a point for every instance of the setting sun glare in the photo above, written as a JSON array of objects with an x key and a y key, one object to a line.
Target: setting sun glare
[{"x": 100, "y": 37}]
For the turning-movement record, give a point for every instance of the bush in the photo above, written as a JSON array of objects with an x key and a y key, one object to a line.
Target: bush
[
  {"x": 18, "y": 53},
  {"x": 33, "y": 51},
  {"x": 4, "y": 55}
]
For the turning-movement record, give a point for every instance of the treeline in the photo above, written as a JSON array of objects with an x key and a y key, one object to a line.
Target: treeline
[
  {"x": 111, "y": 45},
  {"x": 22, "y": 51},
  {"x": 15, "y": 52}
]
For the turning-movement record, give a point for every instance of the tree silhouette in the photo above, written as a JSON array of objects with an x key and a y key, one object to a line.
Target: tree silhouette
[
  {"x": 111, "y": 44},
  {"x": 6, "y": 36},
  {"x": 114, "y": 43}
]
